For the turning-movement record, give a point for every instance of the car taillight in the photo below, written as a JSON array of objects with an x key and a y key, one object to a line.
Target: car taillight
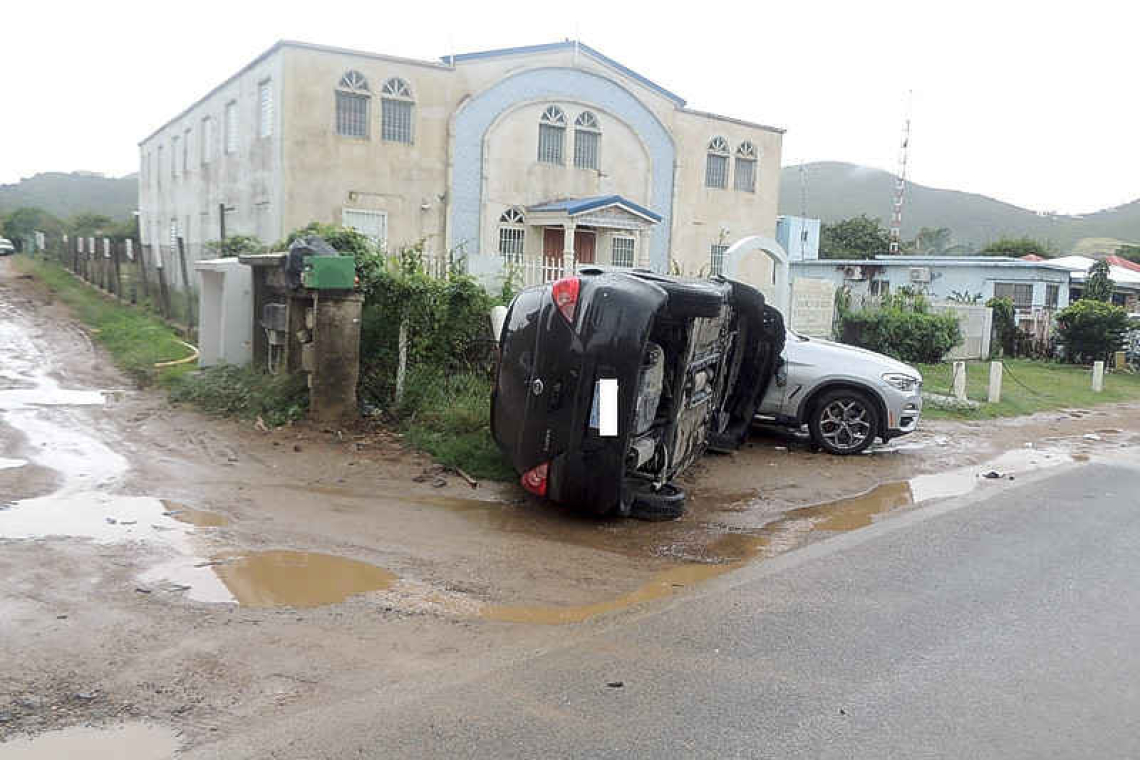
[
  {"x": 535, "y": 480},
  {"x": 565, "y": 295}
]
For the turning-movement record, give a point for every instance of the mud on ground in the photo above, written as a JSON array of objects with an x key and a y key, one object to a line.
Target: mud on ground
[{"x": 209, "y": 575}]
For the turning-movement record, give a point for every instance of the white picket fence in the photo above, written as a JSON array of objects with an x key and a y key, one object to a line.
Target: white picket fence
[{"x": 523, "y": 273}]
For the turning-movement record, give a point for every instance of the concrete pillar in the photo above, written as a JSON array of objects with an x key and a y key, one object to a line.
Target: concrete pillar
[
  {"x": 568, "y": 248},
  {"x": 1098, "y": 377},
  {"x": 336, "y": 361},
  {"x": 642, "y": 258},
  {"x": 960, "y": 381},
  {"x": 995, "y": 382}
]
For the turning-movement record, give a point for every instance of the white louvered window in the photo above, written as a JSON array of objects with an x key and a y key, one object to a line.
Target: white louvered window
[
  {"x": 186, "y": 151},
  {"x": 512, "y": 236},
  {"x": 158, "y": 168},
  {"x": 587, "y": 136},
  {"x": 174, "y": 156},
  {"x": 551, "y": 133},
  {"x": 622, "y": 251},
  {"x": 744, "y": 178},
  {"x": 173, "y": 234},
  {"x": 396, "y": 108},
  {"x": 231, "y": 127},
  {"x": 265, "y": 108},
  {"x": 206, "y": 141},
  {"x": 716, "y": 163},
  {"x": 1020, "y": 293},
  {"x": 370, "y": 223},
  {"x": 353, "y": 98},
  {"x": 716, "y": 260}
]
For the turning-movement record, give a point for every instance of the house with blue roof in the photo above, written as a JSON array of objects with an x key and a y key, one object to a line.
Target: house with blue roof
[{"x": 531, "y": 159}]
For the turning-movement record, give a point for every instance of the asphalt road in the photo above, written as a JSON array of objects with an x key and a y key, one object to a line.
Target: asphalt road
[{"x": 1001, "y": 626}]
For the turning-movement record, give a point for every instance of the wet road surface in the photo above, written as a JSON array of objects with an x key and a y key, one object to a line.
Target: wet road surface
[{"x": 994, "y": 625}]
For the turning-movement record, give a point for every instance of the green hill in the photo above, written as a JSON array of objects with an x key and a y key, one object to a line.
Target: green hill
[
  {"x": 66, "y": 194},
  {"x": 838, "y": 191}
]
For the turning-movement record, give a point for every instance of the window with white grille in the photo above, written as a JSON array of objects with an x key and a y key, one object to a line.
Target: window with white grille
[
  {"x": 744, "y": 178},
  {"x": 231, "y": 127},
  {"x": 396, "y": 106},
  {"x": 1052, "y": 294},
  {"x": 716, "y": 163},
  {"x": 1020, "y": 293},
  {"x": 372, "y": 224},
  {"x": 265, "y": 108},
  {"x": 587, "y": 135},
  {"x": 621, "y": 251},
  {"x": 353, "y": 98},
  {"x": 716, "y": 259},
  {"x": 512, "y": 236},
  {"x": 551, "y": 132},
  {"x": 206, "y": 141},
  {"x": 173, "y": 234}
]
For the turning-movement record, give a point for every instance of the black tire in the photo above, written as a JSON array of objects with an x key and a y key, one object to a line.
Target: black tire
[
  {"x": 843, "y": 422},
  {"x": 666, "y": 503}
]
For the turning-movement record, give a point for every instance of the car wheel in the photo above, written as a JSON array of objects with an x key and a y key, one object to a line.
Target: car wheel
[
  {"x": 665, "y": 503},
  {"x": 844, "y": 422}
]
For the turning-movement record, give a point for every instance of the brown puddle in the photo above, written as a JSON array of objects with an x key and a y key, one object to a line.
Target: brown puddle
[
  {"x": 196, "y": 517},
  {"x": 138, "y": 741},
  {"x": 298, "y": 579}
]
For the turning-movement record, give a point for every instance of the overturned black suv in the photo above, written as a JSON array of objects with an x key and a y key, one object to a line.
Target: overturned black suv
[{"x": 690, "y": 359}]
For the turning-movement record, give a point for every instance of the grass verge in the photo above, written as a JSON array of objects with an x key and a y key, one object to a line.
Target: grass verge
[
  {"x": 448, "y": 416},
  {"x": 136, "y": 339},
  {"x": 1027, "y": 387},
  {"x": 244, "y": 392}
]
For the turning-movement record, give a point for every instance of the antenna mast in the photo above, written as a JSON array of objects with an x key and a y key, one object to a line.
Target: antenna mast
[{"x": 900, "y": 182}]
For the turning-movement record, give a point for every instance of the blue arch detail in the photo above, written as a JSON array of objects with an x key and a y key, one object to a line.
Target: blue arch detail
[{"x": 477, "y": 114}]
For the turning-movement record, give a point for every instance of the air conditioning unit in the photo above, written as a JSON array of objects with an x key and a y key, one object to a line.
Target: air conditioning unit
[
  {"x": 853, "y": 273},
  {"x": 920, "y": 274}
]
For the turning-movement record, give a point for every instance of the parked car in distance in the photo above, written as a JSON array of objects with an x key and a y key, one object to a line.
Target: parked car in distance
[
  {"x": 6, "y": 247},
  {"x": 847, "y": 396},
  {"x": 682, "y": 363}
]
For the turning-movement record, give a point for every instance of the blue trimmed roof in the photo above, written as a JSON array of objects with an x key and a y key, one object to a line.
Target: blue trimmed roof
[
  {"x": 575, "y": 206},
  {"x": 566, "y": 45}
]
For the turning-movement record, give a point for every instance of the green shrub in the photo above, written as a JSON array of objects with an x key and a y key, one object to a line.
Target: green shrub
[
  {"x": 235, "y": 245},
  {"x": 910, "y": 336},
  {"x": 1091, "y": 330},
  {"x": 243, "y": 392},
  {"x": 1004, "y": 326}
]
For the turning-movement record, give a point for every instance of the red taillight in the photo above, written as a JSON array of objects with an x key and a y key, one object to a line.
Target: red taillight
[
  {"x": 535, "y": 480},
  {"x": 565, "y": 295}
]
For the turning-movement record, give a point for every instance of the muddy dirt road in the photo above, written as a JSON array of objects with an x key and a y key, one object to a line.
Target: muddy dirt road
[{"x": 185, "y": 578}]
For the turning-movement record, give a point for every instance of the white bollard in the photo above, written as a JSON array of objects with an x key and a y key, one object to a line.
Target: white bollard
[
  {"x": 1098, "y": 377},
  {"x": 995, "y": 382},
  {"x": 498, "y": 317},
  {"x": 960, "y": 381}
]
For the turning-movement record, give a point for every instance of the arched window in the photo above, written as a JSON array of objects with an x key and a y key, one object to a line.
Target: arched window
[
  {"x": 744, "y": 178},
  {"x": 512, "y": 236},
  {"x": 396, "y": 104},
  {"x": 551, "y": 129},
  {"x": 587, "y": 135},
  {"x": 716, "y": 163},
  {"x": 352, "y": 102}
]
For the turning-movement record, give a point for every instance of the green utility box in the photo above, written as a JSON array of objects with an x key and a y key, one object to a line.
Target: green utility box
[{"x": 329, "y": 273}]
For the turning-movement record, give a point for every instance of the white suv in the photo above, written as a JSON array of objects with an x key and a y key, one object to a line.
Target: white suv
[{"x": 6, "y": 247}]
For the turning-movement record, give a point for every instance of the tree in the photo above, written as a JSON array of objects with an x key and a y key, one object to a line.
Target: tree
[
  {"x": 1017, "y": 247},
  {"x": 1099, "y": 285},
  {"x": 22, "y": 222},
  {"x": 932, "y": 241},
  {"x": 86, "y": 223},
  {"x": 859, "y": 237},
  {"x": 1091, "y": 330},
  {"x": 1130, "y": 252}
]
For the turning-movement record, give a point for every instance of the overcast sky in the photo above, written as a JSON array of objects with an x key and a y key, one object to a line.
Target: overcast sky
[{"x": 1034, "y": 103}]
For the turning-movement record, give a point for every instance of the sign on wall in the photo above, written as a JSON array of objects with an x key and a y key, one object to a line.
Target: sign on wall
[{"x": 813, "y": 307}]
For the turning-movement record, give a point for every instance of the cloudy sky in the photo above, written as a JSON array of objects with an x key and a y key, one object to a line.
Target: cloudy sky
[{"x": 1034, "y": 103}]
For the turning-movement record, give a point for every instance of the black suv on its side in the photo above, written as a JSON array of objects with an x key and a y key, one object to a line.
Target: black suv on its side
[{"x": 691, "y": 359}]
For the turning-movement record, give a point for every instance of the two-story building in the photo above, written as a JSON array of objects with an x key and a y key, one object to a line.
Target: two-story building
[{"x": 535, "y": 157}]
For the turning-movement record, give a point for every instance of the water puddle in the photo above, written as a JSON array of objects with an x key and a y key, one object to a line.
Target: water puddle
[
  {"x": 197, "y": 517},
  {"x": 137, "y": 741},
  {"x": 298, "y": 579},
  {"x": 793, "y": 529}
]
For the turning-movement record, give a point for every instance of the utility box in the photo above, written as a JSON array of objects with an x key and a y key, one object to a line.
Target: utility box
[
  {"x": 329, "y": 273},
  {"x": 225, "y": 308}
]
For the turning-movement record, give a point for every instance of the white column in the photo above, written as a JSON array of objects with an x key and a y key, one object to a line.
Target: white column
[
  {"x": 1098, "y": 377},
  {"x": 568, "y": 248},
  {"x": 642, "y": 258},
  {"x": 960, "y": 380},
  {"x": 995, "y": 382}
]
